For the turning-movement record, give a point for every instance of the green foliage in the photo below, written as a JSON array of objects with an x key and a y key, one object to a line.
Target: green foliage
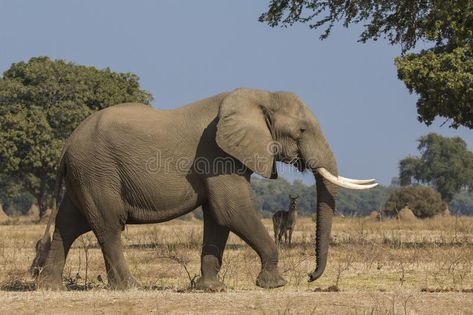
[
  {"x": 272, "y": 195},
  {"x": 41, "y": 102},
  {"x": 423, "y": 201},
  {"x": 13, "y": 198},
  {"x": 401, "y": 22},
  {"x": 8, "y": 188},
  {"x": 442, "y": 76},
  {"x": 408, "y": 169},
  {"x": 445, "y": 163},
  {"x": 361, "y": 203},
  {"x": 443, "y": 79},
  {"x": 462, "y": 203},
  {"x": 18, "y": 204}
]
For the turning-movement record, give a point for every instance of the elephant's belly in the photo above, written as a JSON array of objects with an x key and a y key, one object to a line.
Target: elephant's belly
[{"x": 163, "y": 202}]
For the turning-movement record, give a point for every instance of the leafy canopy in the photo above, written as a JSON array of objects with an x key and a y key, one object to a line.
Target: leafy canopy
[
  {"x": 41, "y": 102},
  {"x": 443, "y": 79},
  {"x": 442, "y": 76},
  {"x": 445, "y": 163}
]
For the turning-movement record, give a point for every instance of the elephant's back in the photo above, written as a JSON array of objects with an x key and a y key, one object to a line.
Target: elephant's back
[
  {"x": 128, "y": 120},
  {"x": 110, "y": 134},
  {"x": 112, "y": 119}
]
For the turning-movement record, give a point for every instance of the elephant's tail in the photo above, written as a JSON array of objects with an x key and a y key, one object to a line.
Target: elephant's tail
[
  {"x": 43, "y": 244},
  {"x": 61, "y": 172}
]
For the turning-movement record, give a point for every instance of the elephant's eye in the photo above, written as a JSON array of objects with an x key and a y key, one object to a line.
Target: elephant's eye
[{"x": 302, "y": 130}]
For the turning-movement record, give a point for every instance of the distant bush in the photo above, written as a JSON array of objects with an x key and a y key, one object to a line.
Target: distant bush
[
  {"x": 462, "y": 203},
  {"x": 423, "y": 201},
  {"x": 18, "y": 204}
]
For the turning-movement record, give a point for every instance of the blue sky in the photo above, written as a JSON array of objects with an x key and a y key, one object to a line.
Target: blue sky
[{"x": 188, "y": 50}]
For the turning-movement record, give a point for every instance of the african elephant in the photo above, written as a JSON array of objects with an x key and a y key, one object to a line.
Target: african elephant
[{"x": 134, "y": 164}]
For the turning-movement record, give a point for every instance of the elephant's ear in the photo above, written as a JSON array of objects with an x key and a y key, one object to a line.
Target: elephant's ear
[{"x": 242, "y": 130}]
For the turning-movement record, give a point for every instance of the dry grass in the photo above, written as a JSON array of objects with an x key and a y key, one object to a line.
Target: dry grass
[{"x": 423, "y": 266}]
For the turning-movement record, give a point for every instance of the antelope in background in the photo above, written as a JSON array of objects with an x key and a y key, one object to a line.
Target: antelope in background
[{"x": 284, "y": 221}]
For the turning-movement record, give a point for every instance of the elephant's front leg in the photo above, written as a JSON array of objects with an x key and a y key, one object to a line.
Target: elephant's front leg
[
  {"x": 232, "y": 207},
  {"x": 215, "y": 239},
  {"x": 249, "y": 227}
]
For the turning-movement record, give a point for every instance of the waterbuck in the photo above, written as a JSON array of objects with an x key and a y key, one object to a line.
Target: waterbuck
[{"x": 284, "y": 221}]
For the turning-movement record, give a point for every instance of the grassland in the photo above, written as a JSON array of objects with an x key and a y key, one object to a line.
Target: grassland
[{"x": 387, "y": 267}]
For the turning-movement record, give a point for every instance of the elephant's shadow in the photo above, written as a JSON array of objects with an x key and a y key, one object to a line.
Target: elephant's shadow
[
  {"x": 176, "y": 246},
  {"x": 18, "y": 286}
]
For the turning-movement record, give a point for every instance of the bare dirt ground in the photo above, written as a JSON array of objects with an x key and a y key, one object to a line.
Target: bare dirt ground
[
  {"x": 240, "y": 302},
  {"x": 388, "y": 267}
]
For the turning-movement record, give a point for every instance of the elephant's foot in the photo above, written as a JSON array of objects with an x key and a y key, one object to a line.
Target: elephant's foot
[
  {"x": 212, "y": 285},
  {"x": 270, "y": 279},
  {"x": 127, "y": 283}
]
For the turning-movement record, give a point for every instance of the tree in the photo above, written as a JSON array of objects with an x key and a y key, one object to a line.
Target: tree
[
  {"x": 442, "y": 75},
  {"x": 41, "y": 102},
  {"x": 408, "y": 168},
  {"x": 443, "y": 79},
  {"x": 445, "y": 163},
  {"x": 423, "y": 201}
]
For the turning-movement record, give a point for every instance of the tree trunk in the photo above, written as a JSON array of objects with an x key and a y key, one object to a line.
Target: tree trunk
[{"x": 42, "y": 205}]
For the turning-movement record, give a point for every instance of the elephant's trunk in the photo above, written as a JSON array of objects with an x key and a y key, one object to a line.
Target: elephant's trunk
[
  {"x": 325, "y": 207},
  {"x": 326, "y": 175},
  {"x": 326, "y": 192}
]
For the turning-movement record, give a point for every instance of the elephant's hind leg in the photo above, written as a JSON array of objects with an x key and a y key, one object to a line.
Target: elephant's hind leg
[
  {"x": 215, "y": 239},
  {"x": 119, "y": 276},
  {"x": 70, "y": 224}
]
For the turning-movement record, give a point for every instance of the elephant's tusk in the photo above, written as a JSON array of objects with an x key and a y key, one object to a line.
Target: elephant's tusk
[
  {"x": 357, "y": 181},
  {"x": 337, "y": 181}
]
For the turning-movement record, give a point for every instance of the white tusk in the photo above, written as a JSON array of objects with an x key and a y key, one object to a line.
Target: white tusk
[
  {"x": 357, "y": 181},
  {"x": 337, "y": 181}
]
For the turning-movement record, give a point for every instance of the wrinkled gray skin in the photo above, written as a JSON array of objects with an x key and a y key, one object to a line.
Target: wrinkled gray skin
[{"x": 134, "y": 164}]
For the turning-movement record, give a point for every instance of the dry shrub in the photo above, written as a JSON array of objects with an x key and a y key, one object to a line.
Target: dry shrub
[
  {"x": 33, "y": 211},
  {"x": 423, "y": 201},
  {"x": 374, "y": 215},
  {"x": 3, "y": 216}
]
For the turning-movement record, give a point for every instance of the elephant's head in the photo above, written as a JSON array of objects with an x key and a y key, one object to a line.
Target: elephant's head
[{"x": 259, "y": 128}]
